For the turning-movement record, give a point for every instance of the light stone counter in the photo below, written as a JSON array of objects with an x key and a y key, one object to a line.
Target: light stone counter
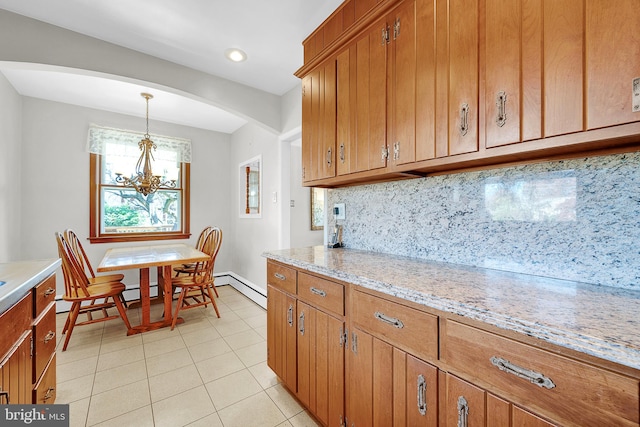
[
  {"x": 596, "y": 320},
  {"x": 20, "y": 277}
]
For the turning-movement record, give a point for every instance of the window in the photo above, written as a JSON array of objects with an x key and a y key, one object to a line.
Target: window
[{"x": 119, "y": 213}]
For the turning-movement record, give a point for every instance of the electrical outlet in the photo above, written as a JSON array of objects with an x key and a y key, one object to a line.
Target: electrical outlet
[{"x": 339, "y": 211}]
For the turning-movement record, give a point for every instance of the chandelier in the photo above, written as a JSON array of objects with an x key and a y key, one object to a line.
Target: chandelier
[{"x": 145, "y": 181}]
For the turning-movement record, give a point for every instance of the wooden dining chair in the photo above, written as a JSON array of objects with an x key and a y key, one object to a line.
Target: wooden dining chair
[
  {"x": 83, "y": 296},
  {"x": 196, "y": 287},
  {"x": 83, "y": 260},
  {"x": 188, "y": 268}
]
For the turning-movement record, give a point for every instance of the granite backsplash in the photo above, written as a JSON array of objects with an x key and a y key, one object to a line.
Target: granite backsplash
[{"x": 574, "y": 219}]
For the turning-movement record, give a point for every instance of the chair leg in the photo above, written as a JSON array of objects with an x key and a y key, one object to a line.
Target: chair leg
[
  {"x": 213, "y": 301},
  {"x": 122, "y": 312},
  {"x": 73, "y": 316},
  {"x": 183, "y": 291},
  {"x": 213, "y": 285}
]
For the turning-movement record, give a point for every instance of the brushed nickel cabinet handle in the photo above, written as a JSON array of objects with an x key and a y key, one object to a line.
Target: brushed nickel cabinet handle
[
  {"x": 49, "y": 291},
  {"x": 49, "y": 394},
  {"x": 329, "y": 157},
  {"x": 280, "y": 276},
  {"x": 51, "y": 335},
  {"x": 290, "y": 315},
  {"x": 422, "y": 395},
  {"x": 463, "y": 412},
  {"x": 317, "y": 291},
  {"x": 301, "y": 323},
  {"x": 464, "y": 119},
  {"x": 394, "y": 321},
  {"x": 501, "y": 103},
  {"x": 524, "y": 373},
  {"x": 342, "y": 152}
]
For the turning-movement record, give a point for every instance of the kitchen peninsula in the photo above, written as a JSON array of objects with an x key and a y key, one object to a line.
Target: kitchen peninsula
[
  {"x": 559, "y": 352},
  {"x": 28, "y": 325}
]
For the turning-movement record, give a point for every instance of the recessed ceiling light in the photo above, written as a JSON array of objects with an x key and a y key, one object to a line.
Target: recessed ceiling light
[{"x": 235, "y": 55}]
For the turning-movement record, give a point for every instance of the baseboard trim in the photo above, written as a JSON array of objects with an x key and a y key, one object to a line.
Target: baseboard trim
[{"x": 242, "y": 285}]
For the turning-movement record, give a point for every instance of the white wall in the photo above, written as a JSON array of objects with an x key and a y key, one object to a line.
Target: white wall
[
  {"x": 55, "y": 178},
  {"x": 252, "y": 236},
  {"x": 301, "y": 233},
  {"x": 10, "y": 182}
]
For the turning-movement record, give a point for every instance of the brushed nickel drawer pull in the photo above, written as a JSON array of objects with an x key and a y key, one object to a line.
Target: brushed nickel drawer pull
[
  {"x": 390, "y": 320},
  {"x": 49, "y": 394},
  {"x": 317, "y": 291},
  {"x": 280, "y": 276},
  {"x": 463, "y": 412},
  {"x": 527, "y": 374},
  {"x": 422, "y": 395},
  {"x": 49, "y": 291},
  {"x": 51, "y": 335},
  {"x": 290, "y": 315}
]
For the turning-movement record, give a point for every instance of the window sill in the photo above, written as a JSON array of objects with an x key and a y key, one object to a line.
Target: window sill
[{"x": 138, "y": 237}]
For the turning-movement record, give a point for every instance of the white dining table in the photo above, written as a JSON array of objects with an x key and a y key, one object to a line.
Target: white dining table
[{"x": 162, "y": 256}]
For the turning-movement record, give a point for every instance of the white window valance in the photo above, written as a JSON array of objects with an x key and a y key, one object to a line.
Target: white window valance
[{"x": 103, "y": 140}]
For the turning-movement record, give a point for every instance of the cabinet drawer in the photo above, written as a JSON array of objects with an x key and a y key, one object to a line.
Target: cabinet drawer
[
  {"x": 44, "y": 340},
  {"x": 411, "y": 330},
  {"x": 45, "y": 390},
  {"x": 43, "y": 295},
  {"x": 281, "y": 277},
  {"x": 14, "y": 322},
  {"x": 554, "y": 386},
  {"x": 321, "y": 293}
]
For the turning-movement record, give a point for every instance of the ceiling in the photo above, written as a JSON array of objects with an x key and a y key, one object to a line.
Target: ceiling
[{"x": 193, "y": 33}]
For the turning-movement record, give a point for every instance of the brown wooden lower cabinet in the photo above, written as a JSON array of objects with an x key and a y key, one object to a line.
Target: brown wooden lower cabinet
[
  {"x": 15, "y": 373},
  {"x": 281, "y": 336},
  {"x": 467, "y": 405},
  {"x": 408, "y": 367},
  {"x": 389, "y": 387}
]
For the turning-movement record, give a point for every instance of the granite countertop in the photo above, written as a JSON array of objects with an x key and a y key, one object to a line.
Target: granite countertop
[
  {"x": 596, "y": 320},
  {"x": 20, "y": 277}
]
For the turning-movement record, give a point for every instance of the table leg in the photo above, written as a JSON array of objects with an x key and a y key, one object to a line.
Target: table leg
[{"x": 145, "y": 296}]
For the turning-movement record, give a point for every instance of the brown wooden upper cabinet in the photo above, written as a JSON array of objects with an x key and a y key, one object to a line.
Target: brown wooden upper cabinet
[
  {"x": 612, "y": 62},
  {"x": 457, "y": 77},
  {"x": 319, "y": 123},
  {"x": 418, "y": 86}
]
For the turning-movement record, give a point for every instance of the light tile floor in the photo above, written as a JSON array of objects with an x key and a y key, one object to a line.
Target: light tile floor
[{"x": 206, "y": 372}]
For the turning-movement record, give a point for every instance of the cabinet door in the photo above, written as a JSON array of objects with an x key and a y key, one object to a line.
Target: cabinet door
[
  {"x": 15, "y": 373},
  {"x": 612, "y": 62},
  {"x": 371, "y": 99},
  {"x": 457, "y": 68},
  {"x": 345, "y": 112},
  {"x": 389, "y": 387},
  {"x": 503, "y": 32},
  {"x": 281, "y": 336},
  {"x": 307, "y": 128},
  {"x": 421, "y": 385},
  {"x": 327, "y": 127},
  {"x": 464, "y": 403},
  {"x": 402, "y": 84},
  {"x": 425, "y": 79},
  {"x": 563, "y": 66},
  {"x": 320, "y": 364}
]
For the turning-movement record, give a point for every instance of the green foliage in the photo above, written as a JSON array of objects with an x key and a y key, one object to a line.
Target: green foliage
[{"x": 120, "y": 216}]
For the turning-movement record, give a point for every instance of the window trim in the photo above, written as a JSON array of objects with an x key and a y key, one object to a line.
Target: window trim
[{"x": 95, "y": 165}]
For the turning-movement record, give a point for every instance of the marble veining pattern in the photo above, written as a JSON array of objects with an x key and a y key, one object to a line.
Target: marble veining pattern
[
  {"x": 597, "y": 320},
  {"x": 577, "y": 219}
]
